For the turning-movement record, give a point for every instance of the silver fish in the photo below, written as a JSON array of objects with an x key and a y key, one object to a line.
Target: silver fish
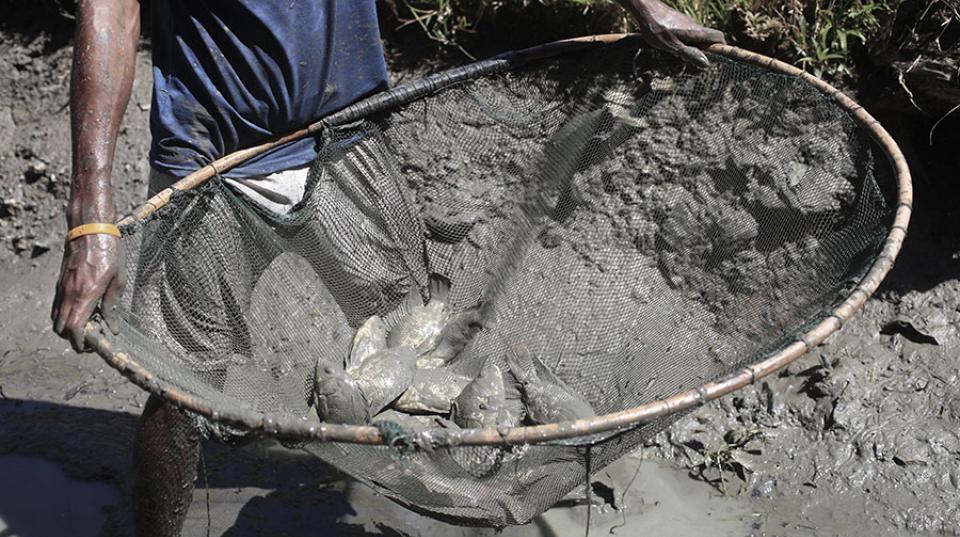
[
  {"x": 547, "y": 398},
  {"x": 385, "y": 375},
  {"x": 420, "y": 327},
  {"x": 482, "y": 402},
  {"x": 370, "y": 338},
  {"x": 338, "y": 398},
  {"x": 431, "y": 392}
]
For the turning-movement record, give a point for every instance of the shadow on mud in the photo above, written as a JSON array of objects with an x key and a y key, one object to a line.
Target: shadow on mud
[
  {"x": 931, "y": 253},
  {"x": 79, "y": 460}
]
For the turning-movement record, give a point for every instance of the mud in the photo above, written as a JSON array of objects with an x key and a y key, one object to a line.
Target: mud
[
  {"x": 709, "y": 213},
  {"x": 33, "y": 485},
  {"x": 859, "y": 438}
]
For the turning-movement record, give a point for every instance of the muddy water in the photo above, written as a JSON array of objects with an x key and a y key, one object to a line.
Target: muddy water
[
  {"x": 650, "y": 498},
  {"x": 37, "y": 499},
  {"x": 661, "y": 502}
]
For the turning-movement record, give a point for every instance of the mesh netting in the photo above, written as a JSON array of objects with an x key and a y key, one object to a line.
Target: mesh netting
[{"x": 639, "y": 226}]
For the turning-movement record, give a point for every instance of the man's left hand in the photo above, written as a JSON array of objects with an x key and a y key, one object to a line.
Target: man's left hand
[{"x": 672, "y": 31}]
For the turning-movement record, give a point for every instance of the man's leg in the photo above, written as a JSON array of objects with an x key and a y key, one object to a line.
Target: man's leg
[
  {"x": 206, "y": 304},
  {"x": 364, "y": 236},
  {"x": 196, "y": 275},
  {"x": 165, "y": 454}
]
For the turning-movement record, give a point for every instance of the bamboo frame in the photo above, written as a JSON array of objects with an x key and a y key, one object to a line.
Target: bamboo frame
[{"x": 613, "y": 422}]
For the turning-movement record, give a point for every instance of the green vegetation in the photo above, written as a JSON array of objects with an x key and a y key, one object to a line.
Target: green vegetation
[
  {"x": 818, "y": 35},
  {"x": 449, "y": 21},
  {"x": 714, "y": 13},
  {"x": 822, "y": 36}
]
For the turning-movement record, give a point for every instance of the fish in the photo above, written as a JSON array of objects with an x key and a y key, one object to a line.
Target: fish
[
  {"x": 445, "y": 423},
  {"x": 513, "y": 409},
  {"x": 482, "y": 402},
  {"x": 405, "y": 420},
  {"x": 546, "y": 397},
  {"x": 385, "y": 375},
  {"x": 420, "y": 327},
  {"x": 457, "y": 333},
  {"x": 431, "y": 392},
  {"x": 411, "y": 421},
  {"x": 338, "y": 398},
  {"x": 370, "y": 338}
]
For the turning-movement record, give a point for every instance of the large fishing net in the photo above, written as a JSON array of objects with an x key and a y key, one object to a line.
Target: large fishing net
[{"x": 637, "y": 225}]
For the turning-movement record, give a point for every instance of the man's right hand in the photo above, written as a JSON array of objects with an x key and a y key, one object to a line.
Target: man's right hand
[
  {"x": 104, "y": 58},
  {"x": 89, "y": 275},
  {"x": 667, "y": 29}
]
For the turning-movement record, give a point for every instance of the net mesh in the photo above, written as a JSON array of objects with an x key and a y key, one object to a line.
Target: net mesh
[{"x": 640, "y": 226}]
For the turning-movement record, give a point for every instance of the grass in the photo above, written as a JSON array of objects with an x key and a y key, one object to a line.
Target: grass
[
  {"x": 446, "y": 21},
  {"x": 818, "y": 35},
  {"x": 713, "y": 13},
  {"x": 822, "y": 36}
]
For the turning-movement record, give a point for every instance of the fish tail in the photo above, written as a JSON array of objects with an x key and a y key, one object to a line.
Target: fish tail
[{"x": 439, "y": 287}]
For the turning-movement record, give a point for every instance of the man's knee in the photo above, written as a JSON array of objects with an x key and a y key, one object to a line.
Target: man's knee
[
  {"x": 160, "y": 410},
  {"x": 164, "y": 428}
]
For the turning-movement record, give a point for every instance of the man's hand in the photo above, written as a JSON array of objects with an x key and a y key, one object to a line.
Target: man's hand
[
  {"x": 670, "y": 30},
  {"x": 90, "y": 274},
  {"x": 104, "y": 57}
]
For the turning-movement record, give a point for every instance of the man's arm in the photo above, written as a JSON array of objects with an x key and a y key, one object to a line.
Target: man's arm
[
  {"x": 670, "y": 30},
  {"x": 104, "y": 57}
]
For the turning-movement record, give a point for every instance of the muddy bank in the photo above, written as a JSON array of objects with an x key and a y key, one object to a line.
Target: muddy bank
[
  {"x": 858, "y": 439},
  {"x": 829, "y": 450}
]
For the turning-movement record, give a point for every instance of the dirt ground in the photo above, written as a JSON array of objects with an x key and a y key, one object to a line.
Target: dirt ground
[{"x": 861, "y": 437}]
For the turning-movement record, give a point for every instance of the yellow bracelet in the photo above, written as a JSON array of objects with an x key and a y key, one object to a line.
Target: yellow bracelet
[{"x": 93, "y": 229}]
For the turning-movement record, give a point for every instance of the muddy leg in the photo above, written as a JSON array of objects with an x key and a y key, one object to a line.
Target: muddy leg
[
  {"x": 365, "y": 239},
  {"x": 165, "y": 455}
]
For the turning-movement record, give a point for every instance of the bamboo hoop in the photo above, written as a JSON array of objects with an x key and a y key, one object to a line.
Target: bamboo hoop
[{"x": 610, "y": 423}]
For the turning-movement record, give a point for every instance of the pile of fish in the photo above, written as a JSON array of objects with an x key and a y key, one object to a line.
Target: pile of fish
[{"x": 403, "y": 375}]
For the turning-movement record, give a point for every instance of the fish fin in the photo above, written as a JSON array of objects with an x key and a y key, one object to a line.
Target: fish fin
[
  {"x": 424, "y": 348},
  {"x": 486, "y": 313},
  {"x": 545, "y": 374},
  {"x": 518, "y": 360},
  {"x": 439, "y": 288},
  {"x": 463, "y": 327},
  {"x": 412, "y": 301},
  {"x": 365, "y": 405}
]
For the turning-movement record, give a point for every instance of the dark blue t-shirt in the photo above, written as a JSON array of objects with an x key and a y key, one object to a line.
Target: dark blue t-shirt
[{"x": 229, "y": 74}]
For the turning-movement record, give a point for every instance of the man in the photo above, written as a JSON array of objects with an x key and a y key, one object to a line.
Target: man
[{"x": 228, "y": 74}]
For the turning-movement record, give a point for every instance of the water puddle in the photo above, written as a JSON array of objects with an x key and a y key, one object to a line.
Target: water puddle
[
  {"x": 38, "y": 500},
  {"x": 662, "y": 501}
]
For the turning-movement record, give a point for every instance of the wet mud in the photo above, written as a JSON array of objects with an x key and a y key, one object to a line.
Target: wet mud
[{"x": 858, "y": 438}]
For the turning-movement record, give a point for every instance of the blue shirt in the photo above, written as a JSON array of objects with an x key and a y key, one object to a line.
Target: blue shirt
[{"x": 229, "y": 74}]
